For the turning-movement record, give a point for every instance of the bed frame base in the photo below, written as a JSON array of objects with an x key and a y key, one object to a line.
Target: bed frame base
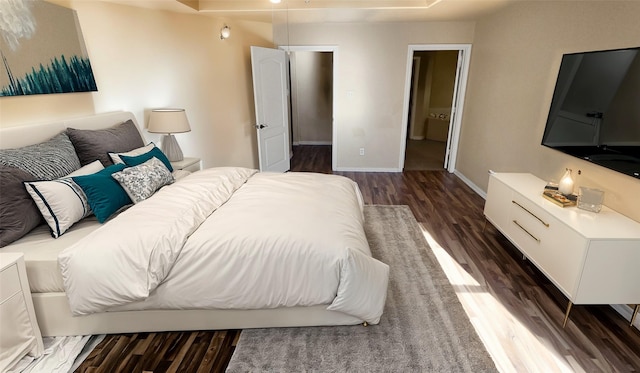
[{"x": 55, "y": 319}]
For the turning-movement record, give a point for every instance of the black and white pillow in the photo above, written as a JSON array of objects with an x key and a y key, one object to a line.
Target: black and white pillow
[
  {"x": 62, "y": 202},
  {"x": 140, "y": 182}
]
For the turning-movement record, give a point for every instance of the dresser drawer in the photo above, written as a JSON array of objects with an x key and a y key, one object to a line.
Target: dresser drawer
[
  {"x": 9, "y": 283},
  {"x": 554, "y": 248},
  {"x": 561, "y": 257},
  {"x": 527, "y": 225}
]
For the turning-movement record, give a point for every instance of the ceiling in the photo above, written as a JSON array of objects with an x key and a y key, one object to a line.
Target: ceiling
[{"x": 313, "y": 11}]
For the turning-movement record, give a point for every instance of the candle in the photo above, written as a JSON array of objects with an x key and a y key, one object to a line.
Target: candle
[{"x": 566, "y": 183}]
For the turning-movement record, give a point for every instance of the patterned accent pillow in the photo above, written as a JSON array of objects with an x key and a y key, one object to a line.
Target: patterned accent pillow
[
  {"x": 62, "y": 202},
  {"x": 140, "y": 182},
  {"x": 96, "y": 144},
  {"x": 47, "y": 160}
]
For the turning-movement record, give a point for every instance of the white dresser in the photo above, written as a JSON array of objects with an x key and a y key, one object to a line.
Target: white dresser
[
  {"x": 593, "y": 258},
  {"x": 19, "y": 332}
]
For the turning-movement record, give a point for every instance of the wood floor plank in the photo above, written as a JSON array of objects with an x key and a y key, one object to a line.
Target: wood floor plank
[{"x": 515, "y": 309}]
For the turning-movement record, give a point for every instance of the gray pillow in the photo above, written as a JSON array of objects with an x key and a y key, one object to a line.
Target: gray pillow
[
  {"x": 47, "y": 160},
  {"x": 18, "y": 213},
  {"x": 141, "y": 181},
  {"x": 97, "y": 144}
]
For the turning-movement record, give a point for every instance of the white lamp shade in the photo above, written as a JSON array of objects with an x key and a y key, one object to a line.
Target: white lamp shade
[{"x": 168, "y": 121}]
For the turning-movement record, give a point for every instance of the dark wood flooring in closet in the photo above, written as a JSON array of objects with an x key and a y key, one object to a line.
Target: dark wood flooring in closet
[{"x": 515, "y": 309}]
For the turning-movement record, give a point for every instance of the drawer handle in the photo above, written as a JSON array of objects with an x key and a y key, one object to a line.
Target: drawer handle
[
  {"x": 526, "y": 231},
  {"x": 531, "y": 213}
]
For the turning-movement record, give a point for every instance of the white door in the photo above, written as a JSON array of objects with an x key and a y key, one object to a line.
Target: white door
[
  {"x": 270, "y": 93},
  {"x": 454, "y": 110}
]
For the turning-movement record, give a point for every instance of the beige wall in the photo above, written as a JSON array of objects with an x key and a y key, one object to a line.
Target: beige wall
[
  {"x": 444, "y": 77},
  {"x": 311, "y": 97},
  {"x": 371, "y": 66},
  {"x": 514, "y": 63},
  {"x": 144, "y": 59}
]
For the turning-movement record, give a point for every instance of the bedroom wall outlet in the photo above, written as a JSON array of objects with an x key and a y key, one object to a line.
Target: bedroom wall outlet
[{"x": 361, "y": 151}]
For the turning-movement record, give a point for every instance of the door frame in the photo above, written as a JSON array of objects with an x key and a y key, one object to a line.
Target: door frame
[
  {"x": 334, "y": 50},
  {"x": 462, "y": 74},
  {"x": 415, "y": 73}
]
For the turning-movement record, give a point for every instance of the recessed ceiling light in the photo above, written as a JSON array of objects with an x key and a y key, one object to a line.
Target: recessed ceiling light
[{"x": 275, "y": 1}]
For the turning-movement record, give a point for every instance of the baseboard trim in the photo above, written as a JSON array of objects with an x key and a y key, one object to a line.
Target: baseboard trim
[
  {"x": 313, "y": 143},
  {"x": 470, "y": 184},
  {"x": 365, "y": 169}
]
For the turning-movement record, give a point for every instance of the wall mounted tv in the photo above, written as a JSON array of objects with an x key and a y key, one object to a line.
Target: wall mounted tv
[{"x": 595, "y": 110}]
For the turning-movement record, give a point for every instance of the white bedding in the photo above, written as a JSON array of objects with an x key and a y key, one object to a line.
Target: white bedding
[{"x": 228, "y": 239}]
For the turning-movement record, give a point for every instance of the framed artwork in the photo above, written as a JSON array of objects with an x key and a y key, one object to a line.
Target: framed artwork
[{"x": 42, "y": 50}]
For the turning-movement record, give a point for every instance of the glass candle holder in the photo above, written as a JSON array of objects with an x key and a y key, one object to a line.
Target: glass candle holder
[{"x": 590, "y": 199}]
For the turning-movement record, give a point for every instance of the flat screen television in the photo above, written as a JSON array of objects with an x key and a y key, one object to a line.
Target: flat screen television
[{"x": 595, "y": 110}]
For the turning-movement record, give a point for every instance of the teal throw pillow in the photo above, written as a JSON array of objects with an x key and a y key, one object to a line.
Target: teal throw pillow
[
  {"x": 104, "y": 193},
  {"x": 140, "y": 159}
]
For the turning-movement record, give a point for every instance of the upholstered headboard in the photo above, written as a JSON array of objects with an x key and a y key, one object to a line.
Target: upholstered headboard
[
  {"x": 39, "y": 153},
  {"x": 15, "y": 137}
]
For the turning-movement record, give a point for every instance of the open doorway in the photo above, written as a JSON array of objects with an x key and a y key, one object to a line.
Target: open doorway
[
  {"x": 312, "y": 103},
  {"x": 432, "y": 83},
  {"x": 435, "y": 84}
]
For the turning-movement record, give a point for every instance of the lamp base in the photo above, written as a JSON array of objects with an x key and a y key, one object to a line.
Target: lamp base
[{"x": 171, "y": 149}]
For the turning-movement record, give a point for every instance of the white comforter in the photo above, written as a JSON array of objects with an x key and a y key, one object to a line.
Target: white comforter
[{"x": 230, "y": 238}]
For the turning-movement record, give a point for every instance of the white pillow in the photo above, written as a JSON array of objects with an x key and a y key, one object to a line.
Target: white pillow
[
  {"x": 141, "y": 181},
  {"x": 89, "y": 169},
  {"x": 115, "y": 157},
  {"x": 62, "y": 202}
]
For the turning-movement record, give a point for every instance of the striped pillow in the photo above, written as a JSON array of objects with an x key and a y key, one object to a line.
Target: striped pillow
[
  {"x": 47, "y": 160},
  {"x": 62, "y": 202}
]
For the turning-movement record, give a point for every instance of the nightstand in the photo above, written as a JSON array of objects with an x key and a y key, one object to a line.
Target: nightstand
[
  {"x": 188, "y": 164},
  {"x": 20, "y": 334}
]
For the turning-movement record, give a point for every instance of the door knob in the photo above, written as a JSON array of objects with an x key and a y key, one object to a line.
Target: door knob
[{"x": 261, "y": 126}]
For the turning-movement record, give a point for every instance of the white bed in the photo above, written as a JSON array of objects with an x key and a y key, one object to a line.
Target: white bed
[{"x": 168, "y": 305}]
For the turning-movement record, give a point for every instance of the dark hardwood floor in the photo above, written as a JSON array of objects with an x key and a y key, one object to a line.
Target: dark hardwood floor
[{"x": 520, "y": 298}]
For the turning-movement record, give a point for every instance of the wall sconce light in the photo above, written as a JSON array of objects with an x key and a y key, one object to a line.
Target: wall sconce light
[{"x": 225, "y": 32}]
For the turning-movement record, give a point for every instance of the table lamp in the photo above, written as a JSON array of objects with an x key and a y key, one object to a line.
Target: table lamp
[{"x": 169, "y": 121}]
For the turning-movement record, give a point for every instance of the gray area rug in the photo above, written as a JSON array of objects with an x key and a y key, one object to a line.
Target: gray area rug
[{"x": 423, "y": 329}]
